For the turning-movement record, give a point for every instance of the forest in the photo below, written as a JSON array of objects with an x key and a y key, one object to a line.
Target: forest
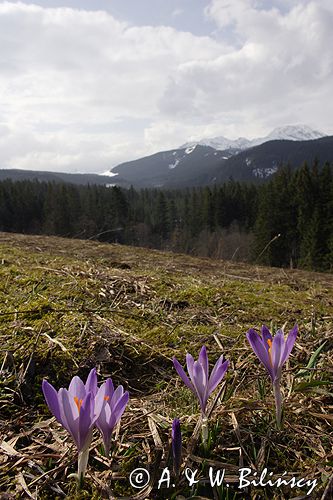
[{"x": 285, "y": 222}]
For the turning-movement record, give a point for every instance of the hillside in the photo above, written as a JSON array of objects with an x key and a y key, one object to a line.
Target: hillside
[
  {"x": 70, "y": 305},
  {"x": 192, "y": 166},
  {"x": 260, "y": 162}
]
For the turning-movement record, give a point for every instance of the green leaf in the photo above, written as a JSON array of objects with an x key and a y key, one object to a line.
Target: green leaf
[
  {"x": 305, "y": 386},
  {"x": 312, "y": 361}
]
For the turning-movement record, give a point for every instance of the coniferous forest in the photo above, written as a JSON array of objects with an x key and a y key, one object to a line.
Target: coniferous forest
[{"x": 285, "y": 222}]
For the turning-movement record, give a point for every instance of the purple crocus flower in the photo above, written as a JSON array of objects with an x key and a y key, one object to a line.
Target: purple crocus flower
[
  {"x": 199, "y": 382},
  {"x": 116, "y": 401},
  {"x": 77, "y": 410},
  {"x": 176, "y": 445},
  {"x": 273, "y": 353}
]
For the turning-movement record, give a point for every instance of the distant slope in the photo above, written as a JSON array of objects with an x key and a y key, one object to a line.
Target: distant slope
[
  {"x": 22, "y": 175},
  {"x": 262, "y": 161},
  {"x": 192, "y": 166},
  {"x": 202, "y": 165}
]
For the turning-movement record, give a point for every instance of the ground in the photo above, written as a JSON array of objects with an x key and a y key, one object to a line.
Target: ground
[{"x": 70, "y": 305}]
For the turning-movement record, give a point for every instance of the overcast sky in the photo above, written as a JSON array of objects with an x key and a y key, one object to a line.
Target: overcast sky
[{"x": 87, "y": 84}]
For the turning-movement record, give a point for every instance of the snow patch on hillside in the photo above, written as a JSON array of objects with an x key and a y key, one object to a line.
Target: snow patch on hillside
[
  {"x": 263, "y": 173},
  {"x": 174, "y": 165},
  {"x": 190, "y": 149},
  {"x": 109, "y": 173}
]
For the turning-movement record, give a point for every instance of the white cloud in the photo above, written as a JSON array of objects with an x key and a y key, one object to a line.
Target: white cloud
[
  {"x": 280, "y": 72},
  {"x": 83, "y": 91},
  {"x": 64, "y": 67}
]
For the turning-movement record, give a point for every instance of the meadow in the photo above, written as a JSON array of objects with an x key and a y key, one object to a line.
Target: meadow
[{"x": 68, "y": 306}]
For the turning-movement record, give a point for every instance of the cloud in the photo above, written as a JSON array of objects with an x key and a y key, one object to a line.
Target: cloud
[
  {"x": 83, "y": 91},
  {"x": 65, "y": 72},
  {"x": 280, "y": 69}
]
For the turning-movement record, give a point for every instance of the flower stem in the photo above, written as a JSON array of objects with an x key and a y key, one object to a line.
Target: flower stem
[
  {"x": 204, "y": 430},
  {"x": 278, "y": 401},
  {"x": 82, "y": 465}
]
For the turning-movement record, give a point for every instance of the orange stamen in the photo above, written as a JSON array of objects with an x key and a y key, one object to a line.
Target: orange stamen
[
  {"x": 269, "y": 342},
  {"x": 78, "y": 402},
  {"x": 106, "y": 398}
]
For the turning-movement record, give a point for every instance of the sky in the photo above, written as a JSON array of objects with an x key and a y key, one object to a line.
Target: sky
[{"x": 88, "y": 84}]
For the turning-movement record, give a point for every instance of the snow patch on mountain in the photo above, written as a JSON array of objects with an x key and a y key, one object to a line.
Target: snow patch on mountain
[
  {"x": 109, "y": 173},
  {"x": 174, "y": 165},
  {"x": 263, "y": 173},
  {"x": 190, "y": 149}
]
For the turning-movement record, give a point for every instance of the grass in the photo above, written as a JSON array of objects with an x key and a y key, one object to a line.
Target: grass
[{"x": 70, "y": 305}]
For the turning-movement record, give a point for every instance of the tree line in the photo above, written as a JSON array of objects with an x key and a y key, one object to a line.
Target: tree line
[{"x": 286, "y": 222}]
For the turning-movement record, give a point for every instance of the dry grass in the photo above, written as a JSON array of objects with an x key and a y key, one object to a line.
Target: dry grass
[{"x": 69, "y": 305}]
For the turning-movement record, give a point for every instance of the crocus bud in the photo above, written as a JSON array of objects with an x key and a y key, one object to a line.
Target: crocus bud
[{"x": 176, "y": 446}]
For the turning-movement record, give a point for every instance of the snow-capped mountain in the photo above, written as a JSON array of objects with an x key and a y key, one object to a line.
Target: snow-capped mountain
[
  {"x": 199, "y": 165},
  {"x": 216, "y": 160},
  {"x": 221, "y": 143},
  {"x": 292, "y": 133},
  {"x": 288, "y": 132}
]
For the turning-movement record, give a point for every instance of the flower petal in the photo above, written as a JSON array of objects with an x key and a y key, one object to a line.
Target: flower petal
[
  {"x": 199, "y": 384},
  {"x": 109, "y": 388},
  {"x": 100, "y": 400},
  {"x": 118, "y": 393},
  {"x": 182, "y": 374},
  {"x": 77, "y": 388},
  {"x": 259, "y": 348},
  {"x": 217, "y": 374},
  {"x": 266, "y": 335},
  {"x": 91, "y": 383},
  {"x": 289, "y": 344},
  {"x": 101, "y": 421},
  {"x": 118, "y": 410},
  {"x": 277, "y": 350},
  {"x": 51, "y": 397},
  {"x": 86, "y": 420},
  {"x": 103, "y": 425},
  {"x": 69, "y": 416},
  {"x": 203, "y": 360},
  {"x": 189, "y": 364}
]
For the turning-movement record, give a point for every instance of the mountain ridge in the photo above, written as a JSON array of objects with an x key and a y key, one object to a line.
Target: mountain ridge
[
  {"x": 288, "y": 132},
  {"x": 203, "y": 165},
  {"x": 199, "y": 165}
]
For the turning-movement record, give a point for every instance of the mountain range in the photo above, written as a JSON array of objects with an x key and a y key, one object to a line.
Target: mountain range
[
  {"x": 206, "y": 162},
  {"x": 199, "y": 163}
]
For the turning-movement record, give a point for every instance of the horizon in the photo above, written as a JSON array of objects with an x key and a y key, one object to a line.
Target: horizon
[{"x": 110, "y": 174}]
